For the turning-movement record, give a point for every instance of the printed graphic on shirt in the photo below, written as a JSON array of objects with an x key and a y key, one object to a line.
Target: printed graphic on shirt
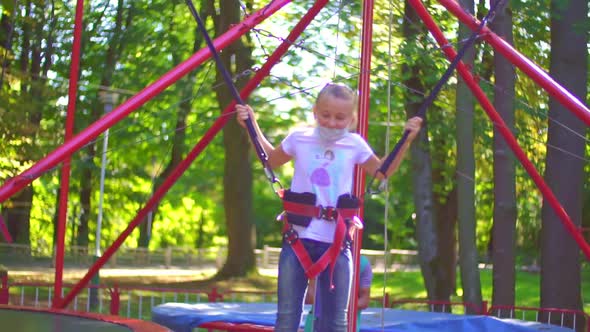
[
  {"x": 320, "y": 176},
  {"x": 324, "y": 174}
]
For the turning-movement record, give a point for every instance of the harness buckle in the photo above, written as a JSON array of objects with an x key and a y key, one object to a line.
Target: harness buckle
[
  {"x": 291, "y": 236},
  {"x": 328, "y": 213}
]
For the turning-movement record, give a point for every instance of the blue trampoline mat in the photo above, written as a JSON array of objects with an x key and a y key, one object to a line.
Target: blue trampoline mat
[{"x": 181, "y": 317}]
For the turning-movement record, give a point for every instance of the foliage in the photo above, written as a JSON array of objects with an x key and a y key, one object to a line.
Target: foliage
[{"x": 160, "y": 34}]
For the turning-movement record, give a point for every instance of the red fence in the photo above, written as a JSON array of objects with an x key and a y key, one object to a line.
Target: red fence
[{"x": 137, "y": 302}]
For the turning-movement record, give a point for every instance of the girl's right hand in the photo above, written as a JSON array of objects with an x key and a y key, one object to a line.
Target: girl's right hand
[{"x": 243, "y": 112}]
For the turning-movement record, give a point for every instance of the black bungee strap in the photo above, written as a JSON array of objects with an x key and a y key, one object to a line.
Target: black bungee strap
[
  {"x": 236, "y": 95},
  {"x": 443, "y": 80}
]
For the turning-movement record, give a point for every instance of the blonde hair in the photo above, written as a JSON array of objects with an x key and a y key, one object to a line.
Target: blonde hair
[{"x": 341, "y": 91}]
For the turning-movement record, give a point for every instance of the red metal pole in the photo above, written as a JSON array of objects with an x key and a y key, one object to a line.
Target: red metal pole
[
  {"x": 362, "y": 128},
  {"x": 65, "y": 170},
  {"x": 4, "y": 290},
  {"x": 194, "y": 153},
  {"x": 58, "y": 155},
  {"x": 115, "y": 301},
  {"x": 567, "y": 99},
  {"x": 502, "y": 128},
  {"x": 4, "y": 230}
]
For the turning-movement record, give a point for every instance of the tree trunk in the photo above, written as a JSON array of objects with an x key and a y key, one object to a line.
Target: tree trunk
[
  {"x": 25, "y": 44},
  {"x": 16, "y": 213},
  {"x": 112, "y": 55},
  {"x": 200, "y": 232},
  {"x": 468, "y": 256},
  {"x": 586, "y": 209},
  {"x": 6, "y": 33},
  {"x": 32, "y": 93},
  {"x": 426, "y": 232},
  {"x": 445, "y": 264},
  {"x": 237, "y": 179},
  {"x": 178, "y": 142},
  {"x": 564, "y": 172},
  {"x": 445, "y": 210},
  {"x": 85, "y": 194},
  {"x": 176, "y": 154},
  {"x": 504, "y": 226}
]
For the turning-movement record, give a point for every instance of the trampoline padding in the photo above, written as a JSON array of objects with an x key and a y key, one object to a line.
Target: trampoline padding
[
  {"x": 181, "y": 317},
  {"x": 24, "y": 319}
]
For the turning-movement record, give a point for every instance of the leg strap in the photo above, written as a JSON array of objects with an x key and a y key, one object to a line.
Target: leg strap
[{"x": 328, "y": 258}]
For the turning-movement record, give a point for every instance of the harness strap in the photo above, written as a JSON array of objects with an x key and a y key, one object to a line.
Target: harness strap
[
  {"x": 330, "y": 213},
  {"x": 322, "y": 212},
  {"x": 328, "y": 258}
]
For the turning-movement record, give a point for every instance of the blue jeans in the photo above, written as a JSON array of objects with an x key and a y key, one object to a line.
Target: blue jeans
[{"x": 292, "y": 285}]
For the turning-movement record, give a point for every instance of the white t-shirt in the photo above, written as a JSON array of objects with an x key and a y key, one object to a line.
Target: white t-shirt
[{"x": 325, "y": 169}]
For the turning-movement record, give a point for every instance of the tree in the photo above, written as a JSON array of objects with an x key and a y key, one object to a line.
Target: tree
[
  {"x": 237, "y": 178},
  {"x": 421, "y": 164},
  {"x": 112, "y": 54},
  {"x": 187, "y": 89},
  {"x": 564, "y": 169},
  {"x": 504, "y": 224},
  {"x": 7, "y": 21},
  {"x": 468, "y": 254},
  {"x": 33, "y": 49}
]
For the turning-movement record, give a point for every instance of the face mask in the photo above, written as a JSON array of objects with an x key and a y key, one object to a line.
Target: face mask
[{"x": 331, "y": 134}]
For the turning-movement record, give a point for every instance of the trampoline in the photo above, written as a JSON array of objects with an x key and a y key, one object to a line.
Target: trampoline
[
  {"x": 23, "y": 319},
  {"x": 181, "y": 317}
]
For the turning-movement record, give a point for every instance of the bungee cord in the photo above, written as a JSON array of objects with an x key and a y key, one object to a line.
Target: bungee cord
[
  {"x": 457, "y": 57},
  {"x": 353, "y": 67},
  {"x": 519, "y": 100},
  {"x": 437, "y": 88},
  {"x": 386, "y": 183},
  {"x": 305, "y": 91},
  {"x": 171, "y": 108},
  {"x": 300, "y": 45},
  {"x": 445, "y": 77},
  {"x": 236, "y": 95}
]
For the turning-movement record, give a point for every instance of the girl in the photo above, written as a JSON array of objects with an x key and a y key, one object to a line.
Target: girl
[{"x": 324, "y": 157}]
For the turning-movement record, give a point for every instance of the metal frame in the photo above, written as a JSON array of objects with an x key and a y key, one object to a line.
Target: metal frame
[{"x": 62, "y": 154}]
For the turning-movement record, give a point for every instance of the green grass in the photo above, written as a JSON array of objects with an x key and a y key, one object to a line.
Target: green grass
[{"x": 410, "y": 285}]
